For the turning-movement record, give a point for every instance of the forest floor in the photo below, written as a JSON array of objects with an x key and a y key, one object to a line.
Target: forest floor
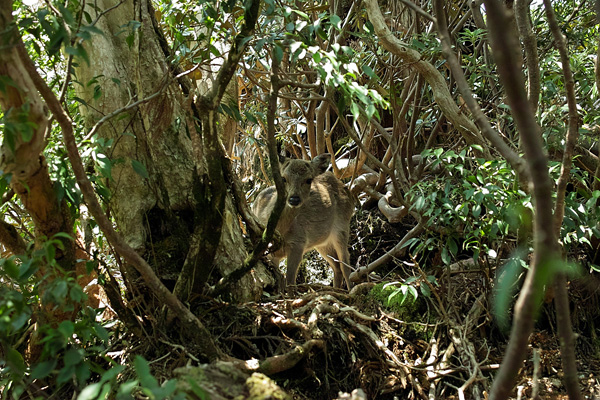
[
  {"x": 387, "y": 353},
  {"x": 381, "y": 341}
]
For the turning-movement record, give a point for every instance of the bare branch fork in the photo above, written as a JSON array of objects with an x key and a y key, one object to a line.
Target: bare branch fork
[{"x": 505, "y": 46}]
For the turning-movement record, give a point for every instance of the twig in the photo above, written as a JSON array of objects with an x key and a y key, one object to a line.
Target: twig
[
  {"x": 535, "y": 379},
  {"x": 395, "y": 360},
  {"x": 364, "y": 271},
  {"x": 128, "y": 107},
  {"x": 561, "y": 299}
]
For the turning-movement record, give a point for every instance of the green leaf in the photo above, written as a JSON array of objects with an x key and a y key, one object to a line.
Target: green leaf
[
  {"x": 65, "y": 374},
  {"x": 72, "y": 357},
  {"x": 101, "y": 332},
  {"x": 10, "y": 268},
  {"x": 336, "y": 21},
  {"x": 124, "y": 392},
  {"x": 140, "y": 169},
  {"x": 83, "y": 373},
  {"x": 197, "y": 390},
  {"x": 477, "y": 147},
  {"x": 15, "y": 361},
  {"x": 90, "y": 392},
  {"x": 63, "y": 235},
  {"x": 278, "y": 53},
  {"x": 452, "y": 246},
  {"x": 445, "y": 256},
  {"x": 506, "y": 287},
  {"x": 369, "y": 71},
  {"x": 97, "y": 92},
  {"x": 143, "y": 371},
  {"x": 419, "y": 203},
  {"x": 43, "y": 369},
  {"x": 413, "y": 291},
  {"x": 355, "y": 110},
  {"x": 302, "y": 14},
  {"x": 67, "y": 329},
  {"x": 50, "y": 252},
  {"x": 19, "y": 320}
]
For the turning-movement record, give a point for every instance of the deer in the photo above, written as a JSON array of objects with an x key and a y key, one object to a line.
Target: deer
[{"x": 317, "y": 213}]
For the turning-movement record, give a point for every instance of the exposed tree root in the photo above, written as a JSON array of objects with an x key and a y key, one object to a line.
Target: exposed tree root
[{"x": 327, "y": 344}]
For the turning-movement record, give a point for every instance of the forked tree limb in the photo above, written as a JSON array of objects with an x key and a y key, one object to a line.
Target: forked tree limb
[
  {"x": 436, "y": 81},
  {"x": 465, "y": 90},
  {"x": 505, "y": 45}
]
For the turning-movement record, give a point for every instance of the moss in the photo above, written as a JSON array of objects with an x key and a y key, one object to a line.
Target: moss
[
  {"x": 262, "y": 387},
  {"x": 410, "y": 310}
]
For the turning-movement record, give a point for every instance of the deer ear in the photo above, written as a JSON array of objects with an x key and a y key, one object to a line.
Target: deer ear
[
  {"x": 282, "y": 160},
  {"x": 321, "y": 162}
]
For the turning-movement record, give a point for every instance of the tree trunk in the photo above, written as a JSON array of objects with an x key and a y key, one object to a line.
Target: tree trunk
[{"x": 162, "y": 213}]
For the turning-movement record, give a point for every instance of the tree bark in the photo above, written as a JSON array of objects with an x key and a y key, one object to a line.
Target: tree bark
[
  {"x": 23, "y": 143},
  {"x": 504, "y": 44},
  {"x": 183, "y": 207}
]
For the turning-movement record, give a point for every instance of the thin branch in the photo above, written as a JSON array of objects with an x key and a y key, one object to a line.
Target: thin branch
[
  {"x": 192, "y": 324},
  {"x": 463, "y": 86},
  {"x": 521, "y": 8},
  {"x": 262, "y": 245},
  {"x": 121, "y": 110},
  {"x": 504, "y": 44},
  {"x": 362, "y": 272},
  {"x": 418, "y": 10},
  {"x": 561, "y": 299},
  {"x": 438, "y": 85}
]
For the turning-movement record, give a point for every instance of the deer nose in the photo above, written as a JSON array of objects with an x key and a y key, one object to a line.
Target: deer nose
[{"x": 294, "y": 201}]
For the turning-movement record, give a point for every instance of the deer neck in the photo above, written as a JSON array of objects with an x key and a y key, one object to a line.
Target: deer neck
[{"x": 288, "y": 215}]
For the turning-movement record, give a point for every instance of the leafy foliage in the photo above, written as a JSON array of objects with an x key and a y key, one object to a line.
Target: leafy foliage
[{"x": 473, "y": 206}]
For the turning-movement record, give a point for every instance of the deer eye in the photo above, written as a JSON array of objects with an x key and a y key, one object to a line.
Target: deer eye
[
  {"x": 309, "y": 181},
  {"x": 283, "y": 179}
]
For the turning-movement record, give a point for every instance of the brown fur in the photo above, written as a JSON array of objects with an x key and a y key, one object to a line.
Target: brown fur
[{"x": 317, "y": 215}]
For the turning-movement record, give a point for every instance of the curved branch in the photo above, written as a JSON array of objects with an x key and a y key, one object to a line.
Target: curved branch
[
  {"x": 438, "y": 85},
  {"x": 192, "y": 324},
  {"x": 463, "y": 86},
  {"x": 280, "y": 363},
  {"x": 521, "y": 8},
  {"x": 362, "y": 272},
  {"x": 504, "y": 44}
]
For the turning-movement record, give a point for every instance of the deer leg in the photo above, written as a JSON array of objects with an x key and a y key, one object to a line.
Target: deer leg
[
  {"x": 294, "y": 257},
  {"x": 341, "y": 248},
  {"x": 345, "y": 266},
  {"x": 330, "y": 255}
]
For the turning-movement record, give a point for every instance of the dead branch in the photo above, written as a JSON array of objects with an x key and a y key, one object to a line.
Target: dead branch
[
  {"x": 279, "y": 363},
  {"x": 397, "y": 251}
]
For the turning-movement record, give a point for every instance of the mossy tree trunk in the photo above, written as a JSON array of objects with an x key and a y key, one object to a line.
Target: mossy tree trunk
[{"x": 180, "y": 215}]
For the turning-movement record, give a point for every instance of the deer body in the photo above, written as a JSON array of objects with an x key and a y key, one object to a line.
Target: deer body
[{"x": 317, "y": 215}]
